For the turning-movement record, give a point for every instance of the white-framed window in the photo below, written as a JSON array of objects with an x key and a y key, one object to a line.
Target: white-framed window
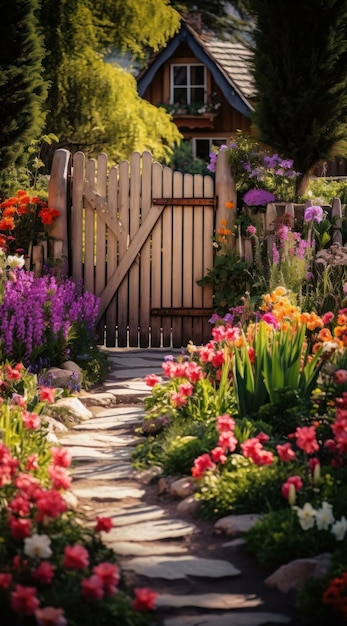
[
  {"x": 188, "y": 84},
  {"x": 201, "y": 147}
]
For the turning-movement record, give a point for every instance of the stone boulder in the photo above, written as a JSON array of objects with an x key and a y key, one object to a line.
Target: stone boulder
[
  {"x": 237, "y": 524},
  {"x": 292, "y": 575},
  {"x": 182, "y": 488}
]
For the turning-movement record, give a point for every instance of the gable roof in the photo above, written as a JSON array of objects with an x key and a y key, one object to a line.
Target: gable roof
[{"x": 228, "y": 63}]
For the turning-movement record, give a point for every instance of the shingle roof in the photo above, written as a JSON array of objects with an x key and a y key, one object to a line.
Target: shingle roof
[{"x": 232, "y": 59}]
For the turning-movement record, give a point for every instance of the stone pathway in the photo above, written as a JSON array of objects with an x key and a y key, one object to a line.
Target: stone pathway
[{"x": 201, "y": 578}]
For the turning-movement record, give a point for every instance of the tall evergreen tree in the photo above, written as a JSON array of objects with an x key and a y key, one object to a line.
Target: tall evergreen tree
[
  {"x": 22, "y": 86},
  {"x": 300, "y": 72}
]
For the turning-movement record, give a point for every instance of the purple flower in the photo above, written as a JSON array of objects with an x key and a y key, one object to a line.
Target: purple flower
[
  {"x": 313, "y": 213},
  {"x": 275, "y": 254},
  {"x": 258, "y": 197},
  {"x": 213, "y": 162},
  {"x": 282, "y": 232}
]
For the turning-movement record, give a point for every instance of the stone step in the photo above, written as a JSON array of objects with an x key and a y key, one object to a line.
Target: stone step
[
  {"x": 108, "y": 493},
  {"x": 180, "y": 567},
  {"x": 83, "y": 453},
  {"x": 208, "y": 601},
  {"x": 229, "y": 619},
  {"x": 152, "y": 531},
  {"x": 114, "y": 471}
]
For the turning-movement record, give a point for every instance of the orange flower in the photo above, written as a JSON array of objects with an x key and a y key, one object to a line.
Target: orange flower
[
  {"x": 10, "y": 210},
  {"x": 325, "y": 335},
  {"x": 229, "y": 205},
  {"x": 223, "y": 223},
  {"x": 7, "y": 223}
]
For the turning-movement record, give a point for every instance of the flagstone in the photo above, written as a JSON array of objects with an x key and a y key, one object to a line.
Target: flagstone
[
  {"x": 121, "y": 412},
  {"x": 133, "y": 514},
  {"x": 133, "y": 373},
  {"x": 208, "y": 600},
  {"x": 234, "y": 618},
  {"x": 102, "y": 492},
  {"x": 97, "y": 440},
  {"x": 181, "y": 567},
  {"x": 110, "y": 423},
  {"x": 237, "y": 524},
  {"x": 90, "y": 454},
  {"x": 152, "y": 531},
  {"x": 122, "y": 471},
  {"x": 130, "y": 548}
]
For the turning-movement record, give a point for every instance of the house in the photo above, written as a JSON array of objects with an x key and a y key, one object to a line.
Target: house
[{"x": 204, "y": 83}]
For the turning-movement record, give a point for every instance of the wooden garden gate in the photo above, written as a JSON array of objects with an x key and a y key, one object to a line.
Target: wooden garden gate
[{"x": 140, "y": 236}]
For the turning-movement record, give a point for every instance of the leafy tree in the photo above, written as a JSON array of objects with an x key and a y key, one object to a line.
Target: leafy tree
[
  {"x": 92, "y": 105},
  {"x": 299, "y": 68},
  {"x": 22, "y": 86},
  {"x": 227, "y": 20}
]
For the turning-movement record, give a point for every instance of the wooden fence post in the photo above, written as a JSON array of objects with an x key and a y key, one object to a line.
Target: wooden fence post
[
  {"x": 225, "y": 192},
  {"x": 58, "y": 199},
  {"x": 336, "y": 212}
]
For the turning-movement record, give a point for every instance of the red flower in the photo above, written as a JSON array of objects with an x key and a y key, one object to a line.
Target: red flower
[
  {"x": 20, "y": 505},
  {"x": 201, "y": 465},
  {"x": 60, "y": 479},
  {"x": 92, "y": 588},
  {"x": 31, "y": 421},
  {"x": 340, "y": 377},
  {"x": 152, "y": 379},
  {"x": 12, "y": 373},
  {"x": 75, "y": 557},
  {"x": 103, "y": 524},
  {"x": 61, "y": 456},
  {"x": 145, "y": 599},
  {"x": 306, "y": 439},
  {"x": 227, "y": 441},
  {"x": 50, "y": 505},
  {"x": 286, "y": 452},
  {"x": 109, "y": 575},
  {"x": 218, "y": 455},
  {"x": 47, "y": 394},
  {"x": 5, "y": 580},
  {"x": 32, "y": 463},
  {"x": 44, "y": 573},
  {"x": 49, "y": 616},
  {"x": 225, "y": 423},
  {"x": 19, "y": 527},
  {"x": 292, "y": 480},
  {"x": 24, "y": 600}
]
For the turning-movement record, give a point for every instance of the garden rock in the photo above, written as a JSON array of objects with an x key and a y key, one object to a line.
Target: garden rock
[
  {"x": 188, "y": 506},
  {"x": 153, "y": 426},
  {"x": 74, "y": 407},
  {"x": 294, "y": 574},
  {"x": 237, "y": 524},
  {"x": 182, "y": 487},
  {"x": 71, "y": 366},
  {"x": 146, "y": 476},
  {"x": 96, "y": 399},
  {"x": 59, "y": 377},
  {"x": 54, "y": 425}
]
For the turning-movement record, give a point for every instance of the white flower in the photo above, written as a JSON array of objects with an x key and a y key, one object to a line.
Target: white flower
[
  {"x": 38, "y": 546},
  {"x": 324, "y": 516},
  {"x": 15, "y": 261},
  {"x": 306, "y": 515},
  {"x": 339, "y": 529}
]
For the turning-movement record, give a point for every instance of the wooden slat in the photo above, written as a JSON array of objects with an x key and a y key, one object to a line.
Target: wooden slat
[
  {"x": 77, "y": 216},
  {"x": 145, "y": 277},
  {"x": 100, "y": 257},
  {"x": 177, "y": 252},
  {"x": 198, "y": 239},
  {"x": 134, "y": 270},
  {"x": 89, "y": 233},
  {"x": 187, "y": 259},
  {"x": 99, "y": 202},
  {"x": 156, "y": 259},
  {"x": 182, "y": 311},
  {"x": 122, "y": 288},
  {"x": 209, "y": 229},
  {"x": 112, "y": 243},
  {"x": 167, "y": 252},
  {"x": 184, "y": 201}
]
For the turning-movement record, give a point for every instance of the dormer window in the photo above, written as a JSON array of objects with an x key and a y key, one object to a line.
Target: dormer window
[{"x": 188, "y": 84}]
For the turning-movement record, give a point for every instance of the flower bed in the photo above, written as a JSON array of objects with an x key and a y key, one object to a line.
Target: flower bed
[{"x": 258, "y": 418}]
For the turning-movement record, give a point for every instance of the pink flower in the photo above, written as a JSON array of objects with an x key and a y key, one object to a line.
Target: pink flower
[
  {"x": 19, "y": 528},
  {"x": 92, "y": 588},
  {"x": 225, "y": 423},
  {"x": 251, "y": 230},
  {"x": 24, "y": 600},
  {"x": 340, "y": 377},
  {"x": 60, "y": 479},
  {"x": 12, "y": 373},
  {"x": 18, "y": 400},
  {"x": 32, "y": 463},
  {"x": 253, "y": 449},
  {"x": 49, "y": 616},
  {"x": 20, "y": 505},
  {"x": 201, "y": 465},
  {"x": 313, "y": 213},
  {"x": 145, "y": 599},
  {"x": 109, "y": 575},
  {"x": 75, "y": 557},
  {"x": 262, "y": 437},
  {"x": 31, "y": 421},
  {"x": 292, "y": 480},
  {"x": 178, "y": 399},
  {"x": 103, "y": 524},
  {"x": 306, "y": 439},
  {"x": 152, "y": 379},
  {"x": 286, "y": 452},
  {"x": 47, "y": 394},
  {"x": 227, "y": 441},
  {"x": 327, "y": 317},
  {"x": 218, "y": 455},
  {"x": 44, "y": 573},
  {"x": 186, "y": 388},
  {"x": 61, "y": 456},
  {"x": 5, "y": 580},
  {"x": 50, "y": 505},
  {"x": 270, "y": 319},
  {"x": 312, "y": 464}
]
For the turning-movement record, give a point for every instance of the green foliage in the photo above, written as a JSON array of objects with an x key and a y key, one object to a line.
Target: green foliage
[
  {"x": 22, "y": 85},
  {"x": 291, "y": 409},
  {"x": 242, "y": 487},
  {"x": 306, "y": 119},
  {"x": 182, "y": 160},
  {"x": 278, "y": 539},
  {"x": 324, "y": 190},
  {"x": 217, "y": 17}
]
